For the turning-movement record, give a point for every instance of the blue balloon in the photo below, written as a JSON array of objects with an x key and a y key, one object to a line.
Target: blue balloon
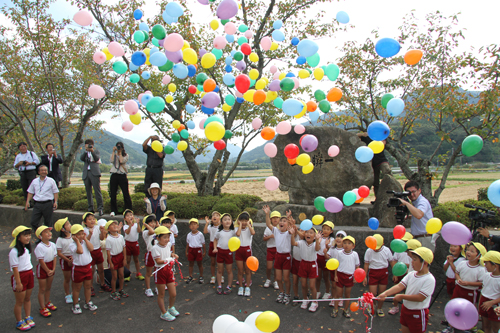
[
  {"x": 180, "y": 71},
  {"x": 342, "y": 17},
  {"x": 158, "y": 59},
  {"x": 278, "y": 35},
  {"x": 174, "y": 9},
  {"x": 228, "y": 69},
  {"x": 233, "y": 52},
  {"x": 395, "y": 107},
  {"x": 138, "y": 58},
  {"x": 277, "y": 24},
  {"x": 132, "y": 67},
  {"x": 295, "y": 41},
  {"x": 306, "y": 224},
  {"x": 230, "y": 38},
  {"x": 229, "y": 60},
  {"x": 228, "y": 79},
  {"x": 387, "y": 47},
  {"x": 314, "y": 115},
  {"x": 146, "y": 98},
  {"x": 153, "y": 51},
  {"x": 364, "y": 154},
  {"x": 292, "y": 107},
  {"x": 290, "y": 74},
  {"x": 190, "y": 109},
  {"x": 144, "y": 26},
  {"x": 378, "y": 130},
  {"x": 137, "y": 14},
  {"x": 146, "y": 75},
  {"x": 191, "y": 70},
  {"x": 240, "y": 100},
  {"x": 209, "y": 111},
  {"x": 494, "y": 193},
  {"x": 138, "y": 104},
  {"x": 301, "y": 60},
  {"x": 307, "y": 48},
  {"x": 216, "y": 89},
  {"x": 172, "y": 144},
  {"x": 167, "y": 18},
  {"x": 373, "y": 223},
  {"x": 190, "y": 124}
]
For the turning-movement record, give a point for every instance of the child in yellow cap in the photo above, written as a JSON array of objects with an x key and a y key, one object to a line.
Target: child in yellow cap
[
  {"x": 95, "y": 233},
  {"x": 132, "y": 229},
  {"x": 22, "y": 279},
  {"x": 211, "y": 227},
  {"x": 275, "y": 217},
  {"x": 173, "y": 229},
  {"x": 46, "y": 254},
  {"x": 327, "y": 241},
  {"x": 117, "y": 258},
  {"x": 469, "y": 273},
  {"x": 195, "y": 249},
  {"x": 149, "y": 224},
  {"x": 490, "y": 294},
  {"x": 245, "y": 232},
  {"x": 63, "y": 227},
  {"x": 224, "y": 255}
]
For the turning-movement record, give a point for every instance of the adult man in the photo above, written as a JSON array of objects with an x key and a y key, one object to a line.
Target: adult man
[
  {"x": 25, "y": 163},
  {"x": 493, "y": 240},
  {"x": 91, "y": 175},
  {"x": 154, "y": 165},
  {"x": 52, "y": 161},
  {"x": 45, "y": 193},
  {"x": 380, "y": 164},
  {"x": 421, "y": 212}
]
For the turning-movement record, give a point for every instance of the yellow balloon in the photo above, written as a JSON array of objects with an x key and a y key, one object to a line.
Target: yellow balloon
[
  {"x": 253, "y": 57},
  {"x": 185, "y": 45},
  {"x": 319, "y": 73},
  {"x": 214, "y": 131},
  {"x": 176, "y": 124},
  {"x": 147, "y": 51},
  {"x": 274, "y": 46},
  {"x": 267, "y": 100},
  {"x": 202, "y": 93},
  {"x": 303, "y": 112},
  {"x": 214, "y": 24},
  {"x": 135, "y": 118},
  {"x": 308, "y": 168},
  {"x": 318, "y": 219},
  {"x": 303, "y": 159},
  {"x": 189, "y": 56},
  {"x": 303, "y": 74},
  {"x": 261, "y": 84},
  {"x": 434, "y": 225},
  {"x": 332, "y": 264},
  {"x": 376, "y": 146},
  {"x": 169, "y": 98},
  {"x": 182, "y": 145},
  {"x": 266, "y": 79},
  {"x": 272, "y": 95},
  {"x": 157, "y": 146},
  {"x": 282, "y": 76},
  {"x": 147, "y": 61},
  {"x": 234, "y": 242},
  {"x": 248, "y": 96},
  {"x": 208, "y": 60},
  {"x": 267, "y": 321},
  {"x": 197, "y": 92},
  {"x": 109, "y": 56},
  {"x": 253, "y": 74},
  {"x": 172, "y": 87},
  {"x": 226, "y": 107}
]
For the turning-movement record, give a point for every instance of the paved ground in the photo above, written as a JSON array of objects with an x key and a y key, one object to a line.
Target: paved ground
[{"x": 198, "y": 305}]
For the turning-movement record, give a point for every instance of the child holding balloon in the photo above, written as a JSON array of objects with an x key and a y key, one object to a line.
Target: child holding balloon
[
  {"x": 337, "y": 247},
  {"x": 224, "y": 254},
  {"x": 245, "y": 232},
  {"x": 326, "y": 242},
  {"x": 296, "y": 259},
  {"x": 271, "y": 249},
  {"x": 211, "y": 227},
  {"x": 490, "y": 294}
]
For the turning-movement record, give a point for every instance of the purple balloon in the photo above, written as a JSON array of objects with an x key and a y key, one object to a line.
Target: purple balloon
[
  {"x": 227, "y": 9},
  {"x": 275, "y": 85},
  {"x": 202, "y": 52},
  {"x": 210, "y": 100},
  {"x": 203, "y": 2},
  {"x": 174, "y": 57},
  {"x": 455, "y": 233},
  {"x": 461, "y": 314},
  {"x": 160, "y": 42},
  {"x": 240, "y": 65},
  {"x": 333, "y": 205},
  {"x": 309, "y": 143}
]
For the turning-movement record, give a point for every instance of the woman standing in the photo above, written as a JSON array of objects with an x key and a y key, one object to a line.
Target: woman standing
[{"x": 119, "y": 159}]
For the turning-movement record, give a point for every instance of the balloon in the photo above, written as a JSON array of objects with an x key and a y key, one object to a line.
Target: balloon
[
  {"x": 168, "y": 149},
  {"x": 387, "y": 47},
  {"x": 371, "y": 242},
  {"x": 270, "y": 149},
  {"x": 227, "y": 9},
  {"x": 455, "y": 233},
  {"x": 399, "y": 231},
  {"x": 308, "y": 168},
  {"x": 252, "y": 263},
  {"x": 230, "y": 28},
  {"x": 137, "y": 14},
  {"x": 307, "y": 48},
  {"x": 309, "y": 143},
  {"x": 349, "y": 198},
  {"x": 333, "y": 151},
  {"x": 364, "y": 154},
  {"x": 332, "y": 264},
  {"x": 214, "y": 24},
  {"x": 211, "y": 119},
  {"x": 333, "y": 205},
  {"x": 319, "y": 203},
  {"x": 265, "y": 43},
  {"x": 174, "y": 57},
  {"x": 135, "y": 118},
  {"x": 246, "y": 49},
  {"x": 395, "y": 107},
  {"x": 385, "y": 99},
  {"x": 250, "y": 320},
  {"x": 267, "y": 321},
  {"x": 284, "y": 128},
  {"x": 376, "y": 146},
  {"x": 412, "y": 57},
  {"x": 364, "y": 191},
  {"x": 184, "y": 133},
  {"x": 158, "y": 59},
  {"x": 220, "y": 42},
  {"x": 334, "y": 95},
  {"x": 472, "y": 145},
  {"x": 306, "y": 225},
  {"x": 210, "y": 100},
  {"x": 96, "y": 92},
  {"x": 219, "y": 145},
  {"x": 138, "y": 58},
  {"x": 314, "y": 116},
  {"x": 278, "y": 35},
  {"x": 494, "y": 193},
  {"x": 272, "y": 183},
  {"x": 173, "y": 42},
  {"x": 373, "y": 223},
  {"x": 143, "y": 27},
  {"x": 399, "y": 269},
  {"x": 287, "y": 84},
  {"x": 332, "y": 72},
  {"x": 318, "y": 73},
  {"x": 433, "y": 226},
  {"x": 131, "y": 107},
  {"x": 116, "y": 49},
  {"x": 313, "y": 60},
  {"x": 228, "y": 134},
  {"x": 127, "y": 126},
  {"x": 234, "y": 244},
  {"x": 354, "y": 306},
  {"x": 318, "y": 219},
  {"x": 398, "y": 246},
  {"x": 146, "y": 75},
  {"x": 159, "y": 32},
  {"x": 299, "y": 129},
  {"x": 342, "y": 17},
  {"x": 242, "y": 83},
  {"x": 157, "y": 146},
  {"x": 303, "y": 159},
  {"x": 378, "y": 130},
  {"x": 99, "y": 57},
  {"x": 360, "y": 274},
  {"x": 222, "y": 322},
  {"x": 83, "y": 18},
  {"x": 214, "y": 131},
  {"x": 240, "y": 327},
  {"x": 182, "y": 145},
  {"x": 156, "y": 105},
  {"x": 461, "y": 314},
  {"x": 256, "y": 123},
  {"x": 259, "y": 97}
]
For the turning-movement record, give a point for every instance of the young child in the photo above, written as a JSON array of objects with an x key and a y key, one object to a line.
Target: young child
[
  {"x": 173, "y": 229},
  {"x": 195, "y": 249},
  {"x": 376, "y": 267},
  {"x": 22, "y": 279},
  {"x": 211, "y": 227},
  {"x": 81, "y": 272},
  {"x": 332, "y": 252},
  {"x": 419, "y": 286},
  {"x": 450, "y": 267},
  {"x": 283, "y": 261},
  {"x": 245, "y": 232},
  {"x": 95, "y": 234},
  {"x": 164, "y": 277},
  {"x": 117, "y": 254},
  {"x": 155, "y": 204},
  {"x": 167, "y": 222},
  {"x": 469, "y": 273},
  {"x": 149, "y": 225},
  {"x": 46, "y": 254},
  {"x": 490, "y": 294},
  {"x": 271, "y": 250},
  {"x": 308, "y": 268},
  {"x": 132, "y": 229},
  {"x": 65, "y": 259},
  {"x": 296, "y": 259},
  {"x": 224, "y": 255},
  {"x": 326, "y": 242}
]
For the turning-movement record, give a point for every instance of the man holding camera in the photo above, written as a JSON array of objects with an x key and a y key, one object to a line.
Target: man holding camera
[
  {"x": 52, "y": 161},
  {"x": 493, "y": 240},
  {"x": 25, "y": 163},
  {"x": 154, "y": 165},
  {"x": 91, "y": 175},
  {"x": 119, "y": 159}
]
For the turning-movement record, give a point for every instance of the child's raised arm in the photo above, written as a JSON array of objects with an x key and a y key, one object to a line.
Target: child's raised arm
[
  {"x": 151, "y": 231},
  {"x": 318, "y": 242},
  {"x": 267, "y": 210},
  {"x": 252, "y": 230},
  {"x": 207, "y": 223},
  {"x": 79, "y": 248},
  {"x": 138, "y": 221}
]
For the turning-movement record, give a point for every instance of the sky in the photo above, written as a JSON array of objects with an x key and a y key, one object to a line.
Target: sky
[{"x": 477, "y": 19}]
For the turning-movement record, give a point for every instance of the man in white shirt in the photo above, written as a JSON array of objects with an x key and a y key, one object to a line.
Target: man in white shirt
[{"x": 25, "y": 163}]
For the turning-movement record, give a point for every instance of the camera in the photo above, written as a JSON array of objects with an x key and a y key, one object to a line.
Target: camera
[
  {"x": 118, "y": 146},
  {"x": 90, "y": 146},
  {"x": 401, "y": 211},
  {"x": 480, "y": 217}
]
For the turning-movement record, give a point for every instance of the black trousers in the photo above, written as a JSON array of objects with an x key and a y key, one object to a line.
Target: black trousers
[
  {"x": 153, "y": 175},
  {"x": 121, "y": 180},
  {"x": 40, "y": 210},
  {"x": 26, "y": 178}
]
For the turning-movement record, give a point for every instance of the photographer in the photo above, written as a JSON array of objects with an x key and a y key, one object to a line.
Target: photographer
[
  {"x": 119, "y": 159},
  {"x": 25, "y": 163},
  {"x": 91, "y": 175},
  {"x": 154, "y": 165},
  {"x": 493, "y": 240},
  {"x": 52, "y": 161}
]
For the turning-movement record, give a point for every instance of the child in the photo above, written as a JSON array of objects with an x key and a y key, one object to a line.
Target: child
[
  {"x": 95, "y": 234},
  {"x": 164, "y": 277},
  {"x": 211, "y": 227},
  {"x": 245, "y": 232},
  {"x": 65, "y": 259},
  {"x": 419, "y": 287},
  {"x": 283, "y": 262},
  {"x": 81, "y": 272},
  {"x": 117, "y": 254},
  {"x": 271, "y": 250},
  {"x": 490, "y": 295},
  {"x": 46, "y": 254},
  {"x": 155, "y": 204},
  {"x": 326, "y": 242},
  {"x": 296, "y": 259},
  {"x": 195, "y": 249},
  {"x": 469, "y": 273},
  {"x": 148, "y": 226},
  {"x": 308, "y": 265},
  {"x": 132, "y": 230},
  {"x": 224, "y": 255},
  {"x": 167, "y": 222},
  {"x": 171, "y": 215},
  {"x": 332, "y": 252},
  {"x": 22, "y": 279},
  {"x": 376, "y": 267},
  {"x": 450, "y": 267}
]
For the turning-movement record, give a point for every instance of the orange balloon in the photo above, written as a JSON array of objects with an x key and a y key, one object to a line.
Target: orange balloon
[
  {"x": 371, "y": 242},
  {"x": 259, "y": 97},
  {"x": 208, "y": 85},
  {"x": 412, "y": 57},
  {"x": 181, "y": 127},
  {"x": 292, "y": 161},
  {"x": 311, "y": 106},
  {"x": 334, "y": 95},
  {"x": 267, "y": 133},
  {"x": 253, "y": 263},
  {"x": 360, "y": 200},
  {"x": 354, "y": 306}
]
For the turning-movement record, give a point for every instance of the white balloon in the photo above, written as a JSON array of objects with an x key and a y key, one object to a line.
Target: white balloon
[
  {"x": 222, "y": 322},
  {"x": 250, "y": 320},
  {"x": 239, "y": 327}
]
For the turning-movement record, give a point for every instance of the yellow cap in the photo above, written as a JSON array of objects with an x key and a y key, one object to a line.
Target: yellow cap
[
  {"x": 39, "y": 230},
  {"x": 109, "y": 223},
  {"x": 168, "y": 212},
  {"x": 424, "y": 253},
  {"x": 162, "y": 220},
  {"x": 413, "y": 244},
  {"x": 237, "y": 223},
  {"x": 76, "y": 229},
  {"x": 493, "y": 256},
  {"x": 144, "y": 220},
  {"x": 407, "y": 236},
  {"x": 162, "y": 230},
  {"x": 480, "y": 247},
  {"x": 380, "y": 241},
  {"x": 225, "y": 214},
  {"x": 60, "y": 224},
  {"x": 86, "y": 214},
  {"x": 193, "y": 220},
  {"x": 128, "y": 210},
  {"x": 16, "y": 232},
  {"x": 330, "y": 224},
  {"x": 275, "y": 214},
  {"x": 350, "y": 238},
  {"x": 215, "y": 212}
]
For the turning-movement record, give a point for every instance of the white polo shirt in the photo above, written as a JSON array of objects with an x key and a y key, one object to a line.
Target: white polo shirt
[
  {"x": 245, "y": 237},
  {"x": 148, "y": 239},
  {"x": 83, "y": 259},
  {"x": 283, "y": 241},
  {"x": 271, "y": 242},
  {"x": 43, "y": 190},
  {"x": 213, "y": 231},
  {"x": 95, "y": 239},
  {"x": 173, "y": 229},
  {"x": 296, "y": 251},
  {"x": 418, "y": 284},
  {"x": 323, "y": 243},
  {"x": 133, "y": 235},
  {"x": 378, "y": 259},
  {"x": 62, "y": 244},
  {"x": 449, "y": 272},
  {"x": 115, "y": 244},
  {"x": 23, "y": 263},
  {"x": 347, "y": 261},
  {"x": 491, "y": 286},
  {"x": 162, "y": 252},
  {"x": 223, "y": 238},
  {"x": 196, "y": 240},
  {"x": 470, "y": 274},
  {"x": 307, "y": 251},
  {"x": 47, "y": 252}
]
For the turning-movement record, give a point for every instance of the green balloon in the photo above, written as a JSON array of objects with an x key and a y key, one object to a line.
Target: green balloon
[
  {"x": 134, "y": 78},
  {"x": 138, "y": 36},
  {"x": 309, "y": 70},
  {"x": 217, "y": 53},
  {"x": 168, "y": 66},
  {"x": 332, "y": 71},
  {"x": 155, "y": 105},
  {"x": 278, "y": 102},
  {"x": 120, "y": 67},
  {"x": 385, "y": 99},
  {"x": 238, "y": 56},
  {"x": 168, "y": 149},
  {"x": 242, "y": 40},
  {"x": 155, "y": 42},
  {"x": 159, "y": 31},
  {"x": 201, "y": 78},
  {"x": 313, "y": 60},
  {"x": 185, "y": 134},
  {"x": 200, "y": 87},
  {"x": 324, "y": 106},
  {"x": 230, "y": 100},
  {"x": 212, "y": 119},
  {"x": 228, "y": 134},
  {"x": 398, "y": 246},
  {"x": 224, "y": 22},
  {"x": 319, "y": 203},
  {"x": 145, "y": 34},
  {"x": 399, "y": 269},
  {"x": 287, "y": 84},
  {"x": 349, "y": 198},
  {"x": 252, "y": 82},
  {"x": 175, "y": 137},
  {"x": 319, "y": 95},
  {"x": 242, "y": 28},
  {"x": 472, "y": 145}
]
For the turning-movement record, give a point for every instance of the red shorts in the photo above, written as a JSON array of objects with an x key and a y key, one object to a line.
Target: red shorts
[
  {"x": 81, "y": 273},
  {"x": 132, "y": 248},
  {"x": 378, "y": 276},
  {"x": 165, "y": 275},
  {"x": 345, "y": 280},
  {"x": 224, "y": 256},
  {"x": 243, "y": 253},
  {"x": 64, "y": 264},
  {"x": 450, "y": 285},
  {"x": 41, "y": 274},
  {"x": 490, "y": 314},
  {"x": 271, "y": 254},
  {"x": 117, "y": 261},
  {"x": 400, "y": 278},
  {"x": 308, "y": 269},
  {"x": 295, "y": 266},
  {"x": 321, "y": 262},
  {"x": 415, "y": 320},
  {"x": 195, "y": 254},
  {"x": 27, "y": 280},
  {"x": 211, "y": 250},
  {"x": 283, "y": 261},
  {"x": 148, "y": 259},
  {"x": 470, "y": 295},
  {"x": 97, "y": 257}
]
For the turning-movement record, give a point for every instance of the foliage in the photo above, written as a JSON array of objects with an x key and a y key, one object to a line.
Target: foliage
[
  {"x": 192, "y": 205},
  {"x": 482, "y": 194},
  {"x": 455, "y": 211},
  {"x": 68, "y": 197},
  {"x": 139, "y": 188},
  {"x": 13, "y": 184},
  {"x": 227, "y": 206}
]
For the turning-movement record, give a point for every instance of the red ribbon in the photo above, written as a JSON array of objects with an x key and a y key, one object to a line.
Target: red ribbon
[{"x": 365, "y": 302}]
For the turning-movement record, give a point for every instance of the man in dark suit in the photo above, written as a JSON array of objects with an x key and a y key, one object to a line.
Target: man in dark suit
[
  {"x": 91, "y": 175},
  {"x": 52, "y": 161}
]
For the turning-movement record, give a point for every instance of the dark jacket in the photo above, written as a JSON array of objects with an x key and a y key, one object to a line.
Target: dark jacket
[{"x": 56, "y": 171}]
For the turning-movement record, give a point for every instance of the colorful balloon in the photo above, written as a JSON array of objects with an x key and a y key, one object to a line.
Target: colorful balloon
[
  {"x": 433, "y": 226},
  {"x": 455, "y": 233},
  {"x": 272, "y": 183},
  {"x": 319, "y": 203},
  {"x": 461, "y": 314},
  {"x": 412, "y": 57},
  {"x": 332, "y": 264},
  {"x": 333, "y": 205},
  {"x": 387, "y": 47},
  {"x": 333, "y": 151},
  {"x": 399, "y": 269},
  {"x": 494, "y": 193},
  {"x": 378, "y": 130},
  {"x": 267, "y": 321},
  {"x": 373, "y": 223},
  {"x": 363, "y": 154},
  {"x": 472, "y": 145},
  {"x": 270, "y": 149},
  {"x": 83, "y": 18},
  {"x": 395, "y": 107}
]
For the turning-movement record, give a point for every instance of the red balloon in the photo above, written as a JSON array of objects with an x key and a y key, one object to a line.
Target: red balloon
[
  {"x": 364, "y": 191},
  {"x": 219, "y": 145},
  {"x": 291, "y": 150},
  {"x": 398, "y": 231},
  {"x": 359, "y": 275},
  {"x": 192, "y": 89},
  {"x": 242, "y": 83},
  {"x": 246, "y": 49}
]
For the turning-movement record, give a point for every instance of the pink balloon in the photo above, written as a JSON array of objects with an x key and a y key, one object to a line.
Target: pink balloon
[
  {"x": 256, "y": 123},
  {"x": 270, "y": 149},
  {"x": 140, "y": 97},
  {"x": 203, "y": 2},
  {"x": 272, "y": 183},
  {"x": 220, "y": 42},
  {"x": 284, "y": 128},
  {"x": 96, "y": 92},
  {"x": 148, "y": 92},
  {"x": 99, "y": 57},
  {"x": 230, "y": 28},
  {"x": 202, "y": 123},
  {"x": 127, "y": 126},
  {"x": 83, "y": 18},
  {"x": 296, "y": 81},
  {"x": 173, "y": 42},
  {"x": 249, "y": 34},
  {"x": 238, "y": 94},
  {"x": 166, "y": 79},
  {"x": 333, "y": 151},
  {"x": 299, "y": 129},
  {"x": 357, "y": 194},
  {"x": 116, "y": 49},
  {"x": 273, "y": 68},
  {"x": 276, "y": 76},
  {"x": 131, "y": 107},
  {"x": 265, "y": 43}
]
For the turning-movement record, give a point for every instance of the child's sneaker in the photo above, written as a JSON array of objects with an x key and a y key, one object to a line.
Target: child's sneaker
[
  {"x": 341, "y": 303},
  {"x": 280, "y": 298},
  {"x": 106, "y": 288},
  {"x": 240, "y": 291},
  {"x": 394, "y": 310},
  {"x": 189, "y": 279},
  {"x": 304, "y": 305},
  {"x": 318, "y": 295},
  {"x": 90, "y": 306},
  {"x": 248, "y": 284},
  {"x": 51, "y": 306},
  {"x": 123, "y": 293},
  {"x": 29, "y": 321},
  {"x": 173, "y": 311},
  {"x": 212, "y": 280},
  {"x": 76, "y": 309},
  {"x": 346, "y": 313},
  {"x": 380, "y": 313},
  {"x": 228, "y": 290},
  {"x": 332, "y": 303},
  {"x": 267, "y": 284},
  {"x": 335, "y": 313},
  {"x": 149, "y": 293},
  {"x": 219, "y": 290},
  {"x": 139, "y": 276},
  {"x": 295, "y": 298},
  {"x": 167, "y": 316},
  {"x": 276, "y": 286},
  {"x": 115, "y": 296},
  {"x": 92, "y": 292},
  {"x": 327, "y": 296},
  {"x": 68, "y": 299},
  {"x": 247, "y": 291},
  {"x": 201, "y": 280},
  {"x": 23, "y": 326},
  {"x": 313, "y": 307},
  {"x": 45, "y": 312},
  {"x": 286, "y": 299},
  {"x": 127, "y": 279}
]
